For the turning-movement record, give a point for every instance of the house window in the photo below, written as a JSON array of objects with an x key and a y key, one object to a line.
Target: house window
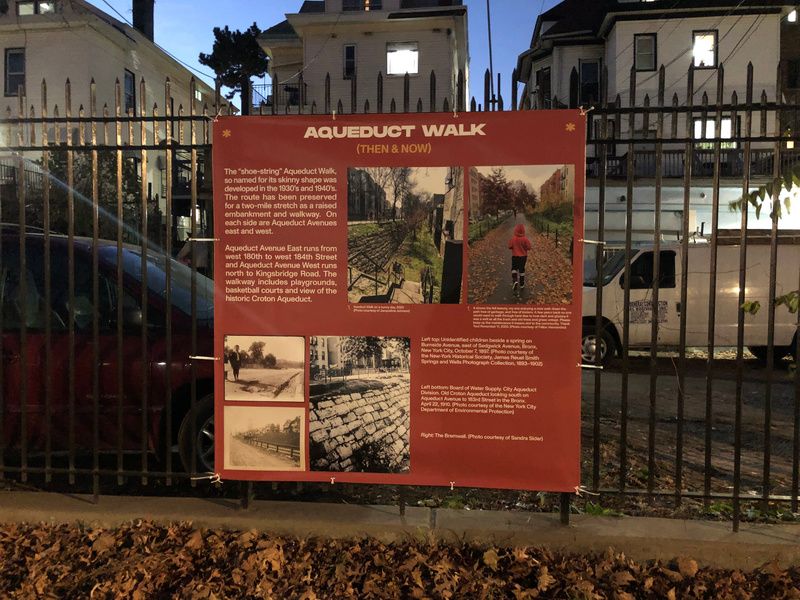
[
  {"x": 644, "y": 57},
  {"x": 198, "y": 95},
  {"x": 704, "y": 49},
  {"x": 402, "y": 58},
  {"x": 130, "y": 91},
  {"x": 349, "y": 61},
  {"x": 590, "y": 82},
  {"x": 36, "y": 7},
  {"x": 15, "y": 71},
  {"x": 544, "y": 88},
  {"x": 365, "y": 5},
  {"x": 708, "y": 132}
]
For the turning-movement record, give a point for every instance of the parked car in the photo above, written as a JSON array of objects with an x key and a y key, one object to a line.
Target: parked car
[
  {"x": 697, "y": 309},
  {"x": 146, "y": 375}
]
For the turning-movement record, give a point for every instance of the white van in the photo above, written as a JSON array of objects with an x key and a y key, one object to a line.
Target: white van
[{"x": 697, "y": 309}]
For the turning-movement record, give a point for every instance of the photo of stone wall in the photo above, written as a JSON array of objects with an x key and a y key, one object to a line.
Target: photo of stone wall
[{"x": 359, "y": 414}]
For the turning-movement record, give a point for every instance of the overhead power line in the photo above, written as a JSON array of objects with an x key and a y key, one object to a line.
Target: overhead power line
[{"x": 164, "y": 50}]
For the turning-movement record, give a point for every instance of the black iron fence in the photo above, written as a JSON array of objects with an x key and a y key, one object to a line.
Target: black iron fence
[{"x": 106, "y": 340}]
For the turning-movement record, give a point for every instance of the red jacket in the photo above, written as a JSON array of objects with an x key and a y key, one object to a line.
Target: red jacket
[{"x": 519, "y": 244}]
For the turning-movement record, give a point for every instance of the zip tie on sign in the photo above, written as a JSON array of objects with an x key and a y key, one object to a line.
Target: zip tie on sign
[
  {"x": 334, "y": 114},
  {"x": 582, "y": 366},
  {"x": 586, "y": 111},
  {"x": 452, "y": 485},
  {"x": 191, "y": 239},
  {"x": 333, "y": 480},
  {"x": 215, "y": 118},
  {"x": 580, "y": 490},
  {"x": 212, "y": 477},
  {"x": 203, "y": 358},
  {"x": 595, "y": 242}
]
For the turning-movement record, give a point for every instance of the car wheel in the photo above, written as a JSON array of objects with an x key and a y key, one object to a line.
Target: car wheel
[
  {"x": 760, "y": 352},
  {"x": 200, "y": 442},
  {"x": 590, "y": 342}
]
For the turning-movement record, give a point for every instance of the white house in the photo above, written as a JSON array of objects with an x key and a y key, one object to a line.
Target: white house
[
  {"x": 59, "y": 39},
  {"x": 56, "y": 40},
  {"x": 576, "y": 40},
  {"x": 352, "y": 41}
]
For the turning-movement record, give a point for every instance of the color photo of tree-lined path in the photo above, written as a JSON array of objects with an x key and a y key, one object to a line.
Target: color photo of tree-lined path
[
  {"x": 548, "y": 272},
  {"x": 538, "y": 198}
]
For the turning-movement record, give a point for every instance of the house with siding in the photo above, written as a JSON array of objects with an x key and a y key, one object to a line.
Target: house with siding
[
  {"x": 574, "y": 43},
  {"x": 56, "y": 40},
  {"x": 351, "y": 42}
]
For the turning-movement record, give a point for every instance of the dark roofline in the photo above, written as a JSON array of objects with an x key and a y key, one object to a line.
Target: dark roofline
[{"x": 581, "y": 15}]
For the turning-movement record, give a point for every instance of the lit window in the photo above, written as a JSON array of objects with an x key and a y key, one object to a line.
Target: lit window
[
  {"x": 365, "y": 5},
  {"x": 402, "y": 58},
  {"x": 792, "y": 18},
  {"x": 707, "y": 130},
  {"x": 704, "y": 49},
  {"x": 36, "y": 7},
  {"x": 15, "y": 71},
  {"x": 349, "y": 61},
  {"x": 644, "y": 58}
]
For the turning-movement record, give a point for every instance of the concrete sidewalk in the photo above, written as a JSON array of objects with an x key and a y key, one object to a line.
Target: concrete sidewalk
[{"x": 710, "y": 543}]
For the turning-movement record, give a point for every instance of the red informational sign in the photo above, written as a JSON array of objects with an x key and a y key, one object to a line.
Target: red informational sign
[{"x": 398, "y": 298}]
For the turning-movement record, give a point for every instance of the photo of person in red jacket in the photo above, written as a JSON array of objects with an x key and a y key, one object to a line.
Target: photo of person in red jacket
[{"x": 519, "y": 245}]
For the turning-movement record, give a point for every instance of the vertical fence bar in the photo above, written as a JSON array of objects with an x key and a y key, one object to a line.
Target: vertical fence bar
[
  {"x": 48, "y": 292},
  {"x": 712, "y": 285},
  {"x": 773, "y": 278},
  {"x": 379, "y": 91},
  {"x": 327, "y": 94},
  {"x": 737, "y": 435},
  {"x": 70, "y": 281},
  {"x": 168, "y": 155},
  {"x": 120, "y": 291},
  {"x": 796, "y": 435},
  {"x": 354, "y": 94},
  {"x": 432, "y": 98},
  {"x": 193, "y": 195},
  {"x": 687, "y": 187},
  {"x": 406, "y": 92},
  {"x": 144, "y": 376},
  {"x": 599, "y": 264},
  {"x": 95, "y": 294},
  {"x": 655, "y": 313},
  {"x": 23, "y": 293},
  {"x": 461, "y": 92},
  {"x": 626, "y": 321}
]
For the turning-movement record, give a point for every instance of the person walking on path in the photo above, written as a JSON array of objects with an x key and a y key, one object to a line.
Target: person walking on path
[
  {"x": 519, "y": 245},
  {"x": 235, "y": 359}
]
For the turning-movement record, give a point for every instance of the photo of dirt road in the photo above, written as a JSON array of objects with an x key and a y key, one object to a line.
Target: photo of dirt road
[{"x": 264, "y": 368}]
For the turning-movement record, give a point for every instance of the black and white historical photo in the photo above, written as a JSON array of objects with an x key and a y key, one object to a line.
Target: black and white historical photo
[
  {"x": 262, "y": 368},
  {"x": 264, "y": 438},
  {"x": 360, "y": 404}
]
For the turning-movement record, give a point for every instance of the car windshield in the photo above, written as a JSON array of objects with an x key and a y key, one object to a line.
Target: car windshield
[
  {"x": 180, "y": 279},
  {"x": 614, "y": 262}
]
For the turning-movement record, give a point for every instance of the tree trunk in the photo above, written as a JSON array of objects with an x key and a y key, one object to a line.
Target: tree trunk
[{"x": 247, "y": 96}]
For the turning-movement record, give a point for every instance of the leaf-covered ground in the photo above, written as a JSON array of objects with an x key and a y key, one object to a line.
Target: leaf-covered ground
[{"x": 143, "y": 560}]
